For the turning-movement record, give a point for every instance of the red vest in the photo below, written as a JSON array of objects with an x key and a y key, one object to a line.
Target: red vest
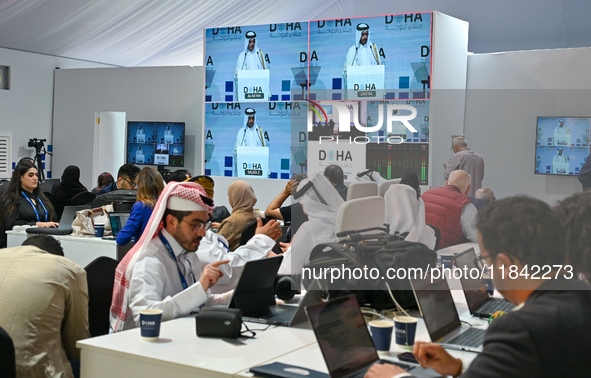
[{"x": 443, "y": 209}]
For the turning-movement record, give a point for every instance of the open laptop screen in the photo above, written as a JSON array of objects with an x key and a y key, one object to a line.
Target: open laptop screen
[
  {"x": 342, "y": 335},
  {"x": 437, "y": 305},
  {"x": 118, "y": 220},
  {"x": 474, "y": 289}
]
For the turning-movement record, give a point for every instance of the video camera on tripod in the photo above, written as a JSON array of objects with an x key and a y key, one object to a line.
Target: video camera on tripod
[{"x": 37, "y": 144}]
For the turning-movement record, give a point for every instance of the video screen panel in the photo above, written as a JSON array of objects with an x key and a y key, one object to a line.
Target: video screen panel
[
  {"x": 156, "y": 143},
  {"x": 264, "y": 140},
  {"x": 562, "y": 144},
  {"x": 371, "y": 58},
  {"x": 256, "y": 63}
]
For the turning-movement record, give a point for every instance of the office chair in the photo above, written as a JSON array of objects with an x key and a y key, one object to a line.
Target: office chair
[
  {"x": 385, "y": 185},
  {"x": 361, "y": 213},
  {"x": 8, "y": 359},
  {"x": 361, "y": 189},
  {"x": 100, "y": 275},
  {"x": 83, "y": 198}
]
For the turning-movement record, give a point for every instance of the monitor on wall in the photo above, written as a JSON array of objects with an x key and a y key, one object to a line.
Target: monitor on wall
[
  {"x": 156, "y": 143},
  {"x": 562, "y": 145}
]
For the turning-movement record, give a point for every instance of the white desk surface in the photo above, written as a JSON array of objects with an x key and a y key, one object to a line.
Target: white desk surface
[
  {"x": 180, "y": 353},
  {"x": 311, "y": 356}
]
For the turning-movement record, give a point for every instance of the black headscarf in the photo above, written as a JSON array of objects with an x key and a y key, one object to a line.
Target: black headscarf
[{"x": 70, "y": 184}]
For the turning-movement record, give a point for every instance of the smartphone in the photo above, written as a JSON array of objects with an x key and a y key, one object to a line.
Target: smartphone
[{"x": 407, "y": 357}]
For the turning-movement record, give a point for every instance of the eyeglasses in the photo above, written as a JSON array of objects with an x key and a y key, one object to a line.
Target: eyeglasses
[
  {"x": 133, "y": 185},
  {"x": 198, "y": 227}
]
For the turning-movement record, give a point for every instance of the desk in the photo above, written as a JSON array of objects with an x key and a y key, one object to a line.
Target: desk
[
  {"x": 311, "y": 357},
  {"x": 180, "y": 353},
  {"x": 81, "y": 250}
]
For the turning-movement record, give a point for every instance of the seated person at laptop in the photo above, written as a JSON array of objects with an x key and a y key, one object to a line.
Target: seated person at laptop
[
  {"x": 293, "y": 213},
  {"x": 125, "y": 179},
  {"x": 68, "y": 187},
  {"x": 24, "y": 203},
  {"x": 547, "y": 332},
  {"x": 214, "y": 247},
  {"x": 162, "y": 271},
  {"x": 335, "y": 175},
  {"x": 150, "y": 185}
]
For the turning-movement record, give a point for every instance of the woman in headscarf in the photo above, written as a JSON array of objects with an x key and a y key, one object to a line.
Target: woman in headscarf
[
  {"x": 68, "y": 188},
  {"x": 405, "y": 213},
  {"x": 321, "y": 202},
  {"x": 242, "y": 199}
]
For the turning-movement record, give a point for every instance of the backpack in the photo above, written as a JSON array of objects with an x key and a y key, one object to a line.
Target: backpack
[{"x": 376, "y": 255}]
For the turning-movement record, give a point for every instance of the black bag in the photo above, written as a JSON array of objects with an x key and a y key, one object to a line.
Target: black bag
[
  {"x": 219, "y": 322},
  {"x": 122, "y": 200},
  {"x": 387, "y": 254}
]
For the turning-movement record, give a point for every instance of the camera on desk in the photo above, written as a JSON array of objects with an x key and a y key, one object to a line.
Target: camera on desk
[{"x": 287, "y": 286}]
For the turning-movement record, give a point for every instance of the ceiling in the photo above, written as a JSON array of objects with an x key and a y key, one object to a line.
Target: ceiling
[{"x": 133, "y": 33}]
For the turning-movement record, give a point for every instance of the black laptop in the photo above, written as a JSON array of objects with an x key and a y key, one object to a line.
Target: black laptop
[
  {"x": 441, "y": 316},
  {"x": 479, "y": 302},
  {"x": 344, "y": 340},
  {"x": 255, "y": 295}
]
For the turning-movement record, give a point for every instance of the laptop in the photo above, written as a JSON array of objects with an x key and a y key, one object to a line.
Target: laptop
[
  {"x": 65, "y": 226},
  {"x": 344, "y": 340},
  {"x": 117, "y": 221},
  {"x": 479, "y": 302},
  {"x": 255, "y": 295},
  {"x": 441, "y": 316}
]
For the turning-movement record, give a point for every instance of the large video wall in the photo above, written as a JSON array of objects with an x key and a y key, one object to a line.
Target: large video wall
[{"x": 296, "y": 97}]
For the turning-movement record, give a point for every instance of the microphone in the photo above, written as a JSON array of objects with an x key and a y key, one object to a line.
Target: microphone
[
  {"x": 244, "y": 61},
  {"x": 354, "y": 56}
]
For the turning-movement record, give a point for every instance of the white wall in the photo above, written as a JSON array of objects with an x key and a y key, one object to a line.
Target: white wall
[
  {"x": 26, "y": 109},
  {"x": 146, "y": 94},
  {"x": 506, "y": 92}
]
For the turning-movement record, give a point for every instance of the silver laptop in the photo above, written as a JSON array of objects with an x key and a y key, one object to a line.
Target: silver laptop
[
  {"x": 117, "y": 221},
  {"x": 65, "y": 224},
  {"x": 441, "y": 316},
  {"x": 479, "y": 302},
  {"x": 344, "y": 340}
]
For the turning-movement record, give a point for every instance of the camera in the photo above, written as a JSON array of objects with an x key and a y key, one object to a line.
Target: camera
[
  {"x": 36, "y": 143},
  {"x": 286, "y": 286}
]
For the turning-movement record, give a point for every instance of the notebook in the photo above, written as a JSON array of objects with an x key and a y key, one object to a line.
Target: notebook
[
  {"x": 441, "y": 316},
  {"x": 255, "y": 295},
  {"x": 477, "y": 298},
  {"x": 344, "y": 340},
  {"x": 65, "y": 226}
]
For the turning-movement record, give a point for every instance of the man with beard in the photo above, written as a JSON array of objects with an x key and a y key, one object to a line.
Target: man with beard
[{"x": 162, "y": 271}]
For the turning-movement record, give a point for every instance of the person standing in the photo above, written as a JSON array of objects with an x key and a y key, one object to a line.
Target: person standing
[{"x": 466, "y": 160}]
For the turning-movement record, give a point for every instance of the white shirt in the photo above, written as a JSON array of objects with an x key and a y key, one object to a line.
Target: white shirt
[
  {"x": 155, "y": 283},
  {"x": 468, "y": 222},
  {"x": 214, "y": 247},
  {"x": 361, "y": 56},
  {"x": 559, "y": 159},
  {"x": 250, "y": 60},
  {"x": 249, "y": 137}
]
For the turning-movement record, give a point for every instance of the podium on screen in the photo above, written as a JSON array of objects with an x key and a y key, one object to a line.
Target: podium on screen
[{"x": 252, "y": 162}]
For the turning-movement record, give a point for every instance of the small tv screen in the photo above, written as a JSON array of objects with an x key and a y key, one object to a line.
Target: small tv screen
[
  {"x": 156, "y": 143},
  {"x": 562, "y": 145}
]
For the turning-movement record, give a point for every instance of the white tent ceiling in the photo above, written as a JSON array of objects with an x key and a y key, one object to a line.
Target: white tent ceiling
[{"x": 170, "y": 32}]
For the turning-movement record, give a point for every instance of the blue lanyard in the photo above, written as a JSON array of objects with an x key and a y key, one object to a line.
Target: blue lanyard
[
  {"x": 169, "y": 248},
  {"x": 35, "y": 207}
]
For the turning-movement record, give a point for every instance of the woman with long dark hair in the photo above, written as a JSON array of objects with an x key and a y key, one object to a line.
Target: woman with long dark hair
[
  {"x": 24, "y": 203},
  {"x": 149, "y": 186}
]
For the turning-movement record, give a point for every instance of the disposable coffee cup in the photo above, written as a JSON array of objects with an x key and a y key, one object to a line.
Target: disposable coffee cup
[
  {"x": 405, "y": 329},
  {"x": 381, "y": 333},
  {"x": 447, "y": 260},
  {"x": 99, "y": 230},
  {"x": 150, "y": 324}
]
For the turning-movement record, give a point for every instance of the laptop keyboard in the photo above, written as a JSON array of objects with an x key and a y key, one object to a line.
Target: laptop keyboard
[
  {"x": 495, "y": 304},
  {"x": 471, "y": 338}
]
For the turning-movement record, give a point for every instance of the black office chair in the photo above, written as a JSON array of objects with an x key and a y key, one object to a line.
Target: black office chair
[
  {"x": 249, "y": 231},
  {"x": 58, "y": 206},
  {"x": 8, "y": 359},
  {"x": 83, "y": 198},
  {"x": 100, "y": 275}
]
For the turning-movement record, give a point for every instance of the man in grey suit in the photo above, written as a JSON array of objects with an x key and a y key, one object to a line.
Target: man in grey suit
[
  {"x": 547, "y": 333},
  {"x": 466, "y": 160}
]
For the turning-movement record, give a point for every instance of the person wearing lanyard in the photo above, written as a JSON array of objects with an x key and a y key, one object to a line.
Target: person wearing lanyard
[
  {"x": 24, "y": 203},
  {"x": 162, "y": 270}
]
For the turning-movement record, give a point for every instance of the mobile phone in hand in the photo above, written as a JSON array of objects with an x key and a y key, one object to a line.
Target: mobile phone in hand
[{"x": 407, "y": 357}]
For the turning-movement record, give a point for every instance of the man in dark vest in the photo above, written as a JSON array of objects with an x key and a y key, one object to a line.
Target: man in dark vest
[{"x": 450, "y": 210}]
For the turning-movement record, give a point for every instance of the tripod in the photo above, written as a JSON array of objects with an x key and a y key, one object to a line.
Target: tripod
[{"x": 39, "y": 163}]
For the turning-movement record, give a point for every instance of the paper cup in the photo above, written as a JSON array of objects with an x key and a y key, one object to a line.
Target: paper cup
[
  {"x": 150, "y": 324},
  {"x": 406, "y": 329},
  {"x": 447, "y": 260},
  {"x": 99, "y": 230},
  {"x": 381, "y": 333}
]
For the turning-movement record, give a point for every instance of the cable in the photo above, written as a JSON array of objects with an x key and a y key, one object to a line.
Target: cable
[{"x": 398, "y": 306}]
